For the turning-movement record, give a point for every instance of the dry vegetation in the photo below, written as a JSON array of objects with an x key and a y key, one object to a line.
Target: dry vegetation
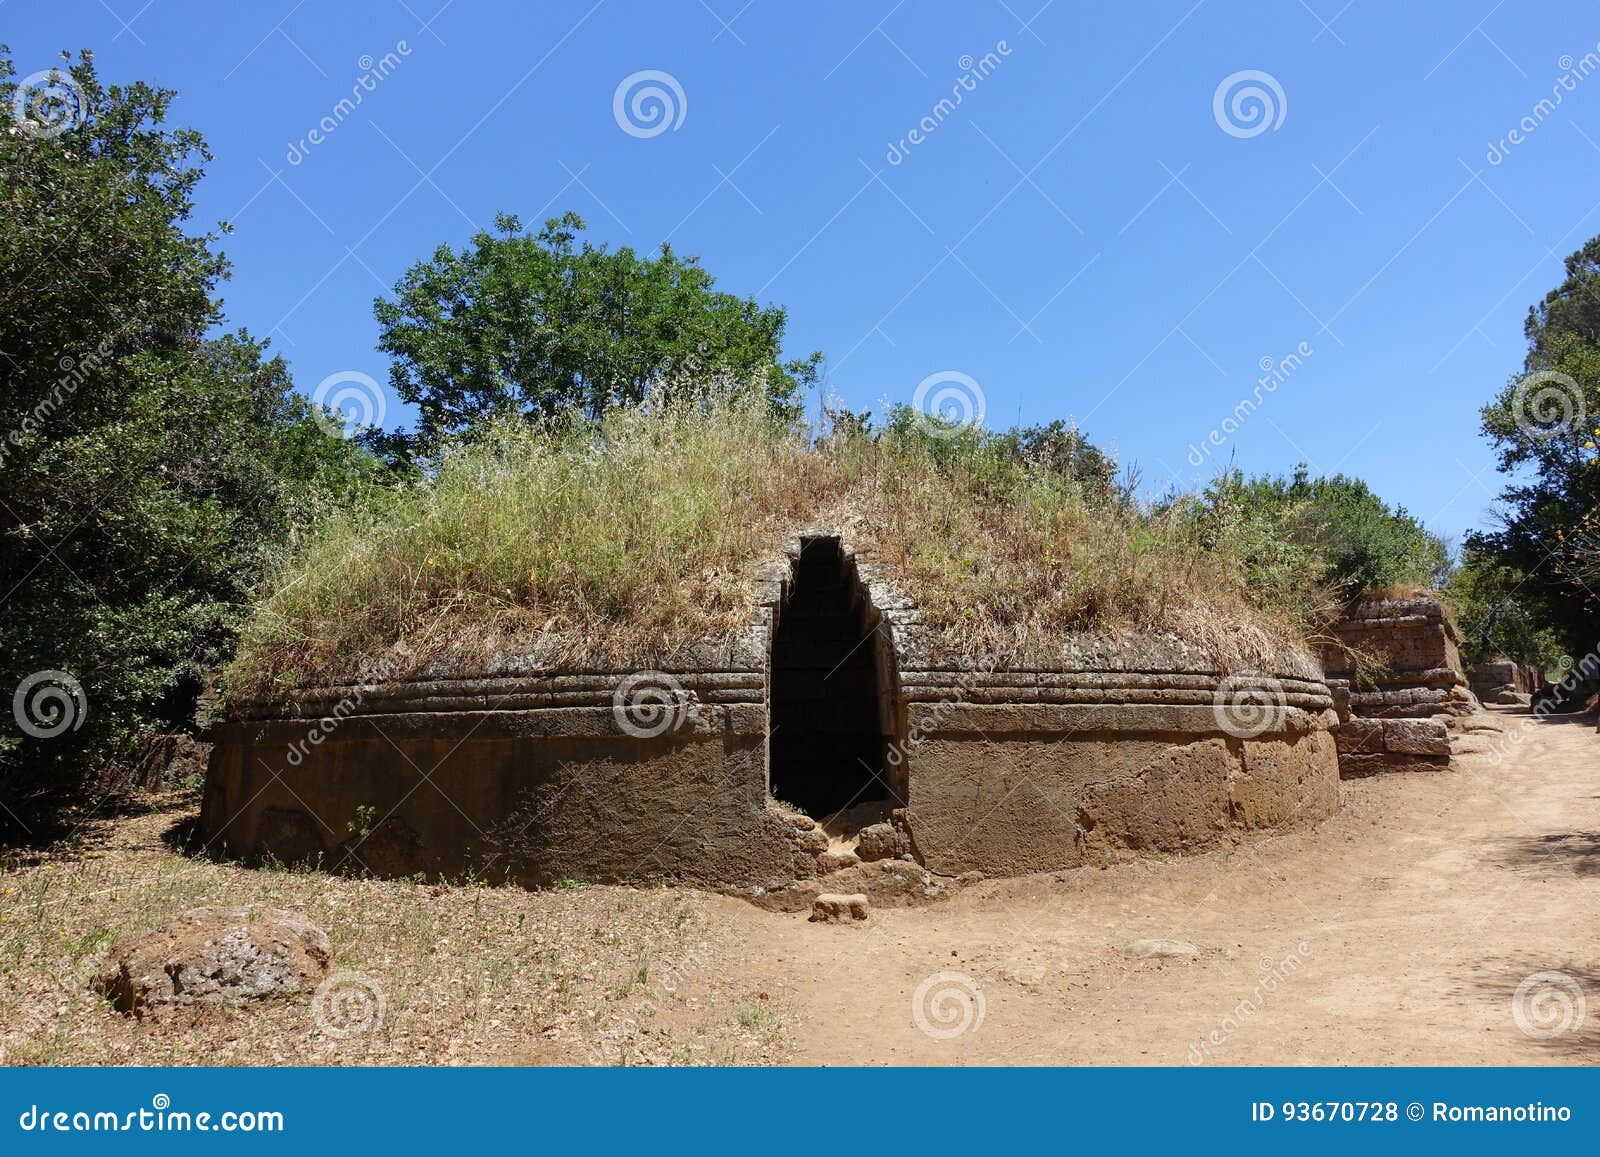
[
  {"x": 634, "y": 535},
  {"x": 470, "y": 975}
]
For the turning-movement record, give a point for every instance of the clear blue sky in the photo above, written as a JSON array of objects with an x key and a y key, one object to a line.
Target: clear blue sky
[{"x": 1081, "y": 235}]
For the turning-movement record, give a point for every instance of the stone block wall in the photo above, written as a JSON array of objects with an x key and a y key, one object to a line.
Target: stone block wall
[
  {"x": 1505, "y": 681},
  {"x": 1399, "y": 659},
  {"x": 1395, "y": 674},
  {"x": 1368, "y": 746}
]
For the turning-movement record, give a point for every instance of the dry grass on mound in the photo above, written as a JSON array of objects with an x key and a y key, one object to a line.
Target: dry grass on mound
[
  {"x": 625, "y": 538},
  {"x": 1005, "y": 558},
  {"x": 628, "y": 538}
]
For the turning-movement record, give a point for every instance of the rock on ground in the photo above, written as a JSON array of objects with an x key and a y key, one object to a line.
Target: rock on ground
[
  {"x": 1145, "y": 949},
  {"x": 214, "y": 957},
  {"x": 837, "y": 908}
]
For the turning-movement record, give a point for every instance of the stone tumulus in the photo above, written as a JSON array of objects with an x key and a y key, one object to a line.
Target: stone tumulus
[{"x": 833, "y": 737}]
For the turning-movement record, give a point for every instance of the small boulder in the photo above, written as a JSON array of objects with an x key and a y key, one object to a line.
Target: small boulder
[
  {"x": 879, "y": 842},
  {"x": 215, "y": 957},
  {"x": 815, "y": 840},
  {"x": 1163, "y": 949},
  {"x": 837, "y": 908},
  {"x": 836, "y": 861}
]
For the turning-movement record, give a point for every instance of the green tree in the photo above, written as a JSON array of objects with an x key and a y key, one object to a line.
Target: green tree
[
  {"x": 1544, "y": 426},
  {"x": 146, "y": 469},
  {"x": 1331, "y": 533},
  {"x": 1496, "y": 620},
  {"x": 540, "y": 323}
]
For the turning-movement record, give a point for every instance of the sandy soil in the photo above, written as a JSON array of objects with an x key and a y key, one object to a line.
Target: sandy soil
[{"x": 1398, "y": 932}]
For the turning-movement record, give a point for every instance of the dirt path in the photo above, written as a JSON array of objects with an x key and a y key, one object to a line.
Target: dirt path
[{"x": 1396, "y": 933}]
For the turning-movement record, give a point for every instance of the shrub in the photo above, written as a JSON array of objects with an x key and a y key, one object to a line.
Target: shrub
[{"x": 1352, "y": 542}]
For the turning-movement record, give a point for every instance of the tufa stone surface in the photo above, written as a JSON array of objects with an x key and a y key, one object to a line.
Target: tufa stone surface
[
  {"x": 216, "y": 957},
  {"x": 839, "y": 908},
  {"x": 1416, "y": 737}
]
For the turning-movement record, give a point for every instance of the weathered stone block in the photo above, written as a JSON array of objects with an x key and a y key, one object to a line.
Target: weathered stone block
[
  {"x": 1416, "y": 737},
  {"x": 1359, "y": 736}
]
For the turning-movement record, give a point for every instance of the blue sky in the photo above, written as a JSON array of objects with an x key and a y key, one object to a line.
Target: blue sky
[{"x": 1086, "y": 235}]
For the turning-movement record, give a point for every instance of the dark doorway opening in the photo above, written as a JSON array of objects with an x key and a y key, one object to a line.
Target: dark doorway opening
[{"x": 829, "y": 701}]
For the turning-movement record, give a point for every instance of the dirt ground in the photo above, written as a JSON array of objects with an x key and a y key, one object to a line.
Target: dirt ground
[{"x": 1398, "y": 932}]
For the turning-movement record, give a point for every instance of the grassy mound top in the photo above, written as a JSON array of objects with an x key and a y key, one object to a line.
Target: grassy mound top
[{"x": 627, "y": 537}]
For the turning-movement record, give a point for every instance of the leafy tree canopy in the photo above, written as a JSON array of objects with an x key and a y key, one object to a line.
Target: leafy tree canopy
[
  {"x": 539, "y": 323},
  {"x": 1545, "y": 424},
  {"x": 146, "y": 468}
]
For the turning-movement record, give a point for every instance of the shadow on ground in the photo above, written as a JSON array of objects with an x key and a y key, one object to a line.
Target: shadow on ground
[
  {"x": 1555, "y": 1005},
  {"x": 1575, "y": 852}
]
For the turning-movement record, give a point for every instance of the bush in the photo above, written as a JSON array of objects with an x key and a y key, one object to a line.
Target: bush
[{"x": 1348, "y": 539}]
